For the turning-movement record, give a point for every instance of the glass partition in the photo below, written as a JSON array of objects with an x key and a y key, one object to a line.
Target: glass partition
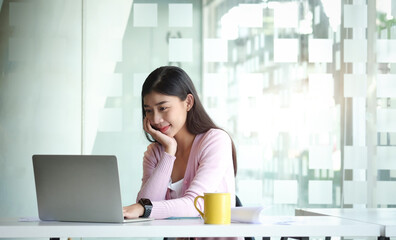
[
  {"x": 305, "y": 88},
  {"x": 40, "y": 93}
]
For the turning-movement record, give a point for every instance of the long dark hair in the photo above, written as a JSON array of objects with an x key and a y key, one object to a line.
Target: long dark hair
[{"x": 174, "y": 81}]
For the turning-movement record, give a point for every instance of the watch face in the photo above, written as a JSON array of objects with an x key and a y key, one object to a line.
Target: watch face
[{"x": 146, "y": 201}]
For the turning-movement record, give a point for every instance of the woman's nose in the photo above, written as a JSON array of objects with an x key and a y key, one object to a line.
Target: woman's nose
[{"x": 157, "y": 118}]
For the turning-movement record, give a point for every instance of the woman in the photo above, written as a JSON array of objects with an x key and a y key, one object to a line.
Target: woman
[{"x": 189, "y": 155}]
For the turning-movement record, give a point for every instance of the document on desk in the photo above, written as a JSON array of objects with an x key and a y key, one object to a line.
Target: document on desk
[{"x": 248, "y": 214}]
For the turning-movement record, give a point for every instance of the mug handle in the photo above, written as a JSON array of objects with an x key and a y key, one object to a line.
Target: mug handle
[{"x": 195, "y": 205}]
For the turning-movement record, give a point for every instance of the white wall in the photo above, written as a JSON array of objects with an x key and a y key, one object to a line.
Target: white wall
[{"x": 70, "y": 81}]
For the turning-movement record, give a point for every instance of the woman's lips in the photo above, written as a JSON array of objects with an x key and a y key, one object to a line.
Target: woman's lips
[{"x": 163, "y": 129}]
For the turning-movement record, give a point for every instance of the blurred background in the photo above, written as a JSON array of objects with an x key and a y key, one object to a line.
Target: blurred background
[{"x": 306, "y": 88}]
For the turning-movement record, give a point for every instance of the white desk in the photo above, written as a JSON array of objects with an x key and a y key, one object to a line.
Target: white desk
[
  {"x": 385, "y": 217},
  {"x": 272, "y": 227}
]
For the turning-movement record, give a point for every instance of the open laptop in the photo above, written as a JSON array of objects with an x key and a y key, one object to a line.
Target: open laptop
[{"x": 78, "y": 188}]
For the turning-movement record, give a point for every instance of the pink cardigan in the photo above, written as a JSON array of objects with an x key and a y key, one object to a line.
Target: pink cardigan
[{"x": 209, "y": 169}]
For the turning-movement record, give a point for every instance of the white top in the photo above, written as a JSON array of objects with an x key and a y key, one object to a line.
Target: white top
[
  {"x": 176, "y": 189},
  {"x": 287, "y": 226},
  {"x": 385, "y": 217}
]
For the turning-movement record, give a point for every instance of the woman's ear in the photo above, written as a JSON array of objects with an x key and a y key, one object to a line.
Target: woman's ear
[{"x": 189, "y": 101}]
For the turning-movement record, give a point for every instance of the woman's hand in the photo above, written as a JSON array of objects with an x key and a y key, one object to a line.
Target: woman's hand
[
  {"x": 169, "y": 143},
  {"x": 133, "y": 211}
]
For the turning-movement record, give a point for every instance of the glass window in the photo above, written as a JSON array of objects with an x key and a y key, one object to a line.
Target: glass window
[
  {"x": 309, "y": 99},
  {"x": 306, "y": 89}
]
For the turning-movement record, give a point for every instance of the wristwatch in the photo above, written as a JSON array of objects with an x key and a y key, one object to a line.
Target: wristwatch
[{"x": 147, "y": 205}]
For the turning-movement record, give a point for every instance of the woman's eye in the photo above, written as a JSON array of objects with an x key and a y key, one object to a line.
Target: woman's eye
[
  {"x": 163, "y": 108},
  {"x": 147, "y": 111}
]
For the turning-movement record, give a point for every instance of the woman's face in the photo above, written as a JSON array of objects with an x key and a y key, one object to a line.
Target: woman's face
[{"x": 166, "y": 113}]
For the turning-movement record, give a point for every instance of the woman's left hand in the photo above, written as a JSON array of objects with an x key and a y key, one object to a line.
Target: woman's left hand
[
  {"x": 169, "y": 143},
  {"x": 133, "y": 211}
]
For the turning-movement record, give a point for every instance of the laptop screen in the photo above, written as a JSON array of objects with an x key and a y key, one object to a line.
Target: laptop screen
[{"x": 78, "y": 188}]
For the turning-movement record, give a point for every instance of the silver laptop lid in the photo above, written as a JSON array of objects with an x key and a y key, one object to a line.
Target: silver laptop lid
[{"x": 78, "y": 188}]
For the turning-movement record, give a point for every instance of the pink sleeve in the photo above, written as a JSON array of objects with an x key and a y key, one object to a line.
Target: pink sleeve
[
  {"x": 214, "y": 156},
  {"x": 157, "y": 170}
]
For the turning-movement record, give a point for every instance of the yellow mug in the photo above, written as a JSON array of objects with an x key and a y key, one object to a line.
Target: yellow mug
[{"x": 217, "y": 208}]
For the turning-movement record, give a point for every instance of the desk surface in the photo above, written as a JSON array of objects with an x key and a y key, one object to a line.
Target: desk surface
[
  {"x": 272, "y": 227},
  {"x": 386, "y": 217}
]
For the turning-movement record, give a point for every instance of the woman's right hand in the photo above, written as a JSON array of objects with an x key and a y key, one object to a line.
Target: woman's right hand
[
  {"x": 133, "y": 211},
  {"x": 169, "y": 143}
]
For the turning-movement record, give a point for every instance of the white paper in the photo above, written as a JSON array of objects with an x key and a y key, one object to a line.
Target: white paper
[{"x": 248, "y": 214}]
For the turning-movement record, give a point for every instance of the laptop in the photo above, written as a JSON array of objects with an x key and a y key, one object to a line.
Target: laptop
[{"x": 78, "y": 188}]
